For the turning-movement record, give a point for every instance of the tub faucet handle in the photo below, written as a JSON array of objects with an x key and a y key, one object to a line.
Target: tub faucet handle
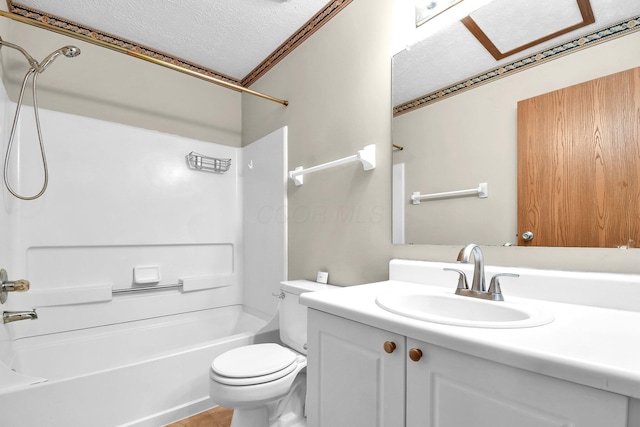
[
  {"x": 7, "y": 286},
  {"x": 17, "y": 286}
]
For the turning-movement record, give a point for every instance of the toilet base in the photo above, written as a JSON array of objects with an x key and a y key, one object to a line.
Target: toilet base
[
  {"x": 286, "y": 412},
  {"x": 256, "y": 416},
  {"x": 290, "y": 411}
]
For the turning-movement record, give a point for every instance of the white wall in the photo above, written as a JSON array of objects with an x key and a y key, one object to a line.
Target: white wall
[
  {"x": 6, "y": 255},
  {"x": 264, "y": 194},
  {"x": 122, "y": 196},
  {"x": 118, "y": 197},
  {"x": 5, "y": 125}
]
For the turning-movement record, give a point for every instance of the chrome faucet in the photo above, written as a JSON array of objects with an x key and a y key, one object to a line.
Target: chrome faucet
[
  {"x": 478, "y": 283},
  {"x": 14, "y": 316}
]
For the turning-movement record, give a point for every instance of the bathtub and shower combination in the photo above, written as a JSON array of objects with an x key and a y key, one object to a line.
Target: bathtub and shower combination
[
  {"x": 103, "y": 358},
  {"x": 146, "y": 372}
]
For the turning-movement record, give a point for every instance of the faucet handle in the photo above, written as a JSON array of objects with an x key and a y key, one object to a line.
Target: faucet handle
[
  {"x": 494, "y": 286},
  {"x": 7, "y": 285},
  {"x": 16, "y": 286},
  {"x": 462, "y": 278}
]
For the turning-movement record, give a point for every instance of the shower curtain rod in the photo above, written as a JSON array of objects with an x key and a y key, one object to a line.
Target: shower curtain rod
[{"x": 148, "y": 58}]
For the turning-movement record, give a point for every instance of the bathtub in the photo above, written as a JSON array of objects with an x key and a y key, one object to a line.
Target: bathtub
[{"x": 143, "y": 373}]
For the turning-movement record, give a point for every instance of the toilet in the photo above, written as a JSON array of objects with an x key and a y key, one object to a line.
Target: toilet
[{"x": 265, "y": 384}]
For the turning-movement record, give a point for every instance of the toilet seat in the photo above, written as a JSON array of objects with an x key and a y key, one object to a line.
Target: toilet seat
[{"x": 254, "y": 364}]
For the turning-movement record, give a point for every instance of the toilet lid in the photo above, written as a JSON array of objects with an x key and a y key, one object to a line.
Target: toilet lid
[{"x": 253, "y": 361}]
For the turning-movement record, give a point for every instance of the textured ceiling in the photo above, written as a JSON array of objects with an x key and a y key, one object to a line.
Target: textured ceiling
[
  {"x": 454, "y": 54},
  {"x": 229, "y": 36},
  {"x": 234, "y": 37},
  {"x": 510, "y": 24}
]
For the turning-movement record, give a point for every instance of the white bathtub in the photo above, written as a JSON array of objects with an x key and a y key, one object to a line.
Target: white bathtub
[{"x": 143, "y": 373}]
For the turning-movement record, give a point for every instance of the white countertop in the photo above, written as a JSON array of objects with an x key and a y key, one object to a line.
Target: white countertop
[{"x": 593, "y": 346}]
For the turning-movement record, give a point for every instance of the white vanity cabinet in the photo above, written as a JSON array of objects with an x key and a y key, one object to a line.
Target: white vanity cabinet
[
  {"x": 352, "y": 381},
  {"x": 357, "y": 378},
  {"x": 451, "y": 389}
]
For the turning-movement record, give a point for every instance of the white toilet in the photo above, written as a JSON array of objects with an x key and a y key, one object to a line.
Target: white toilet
[{"x": 265, "y": 384}]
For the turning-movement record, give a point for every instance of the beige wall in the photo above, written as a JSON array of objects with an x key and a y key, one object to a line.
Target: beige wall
[
  {"x": 472, "y": 137},
  {"x": 338, "y": 83},
  {"x": 108, "y": 85},
  {"x": 338, "y": 86}
]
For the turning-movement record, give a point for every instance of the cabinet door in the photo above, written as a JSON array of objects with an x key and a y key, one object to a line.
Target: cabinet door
[
  {"x": 450, "y": 389},
  {"x": 352, "y": 381}
]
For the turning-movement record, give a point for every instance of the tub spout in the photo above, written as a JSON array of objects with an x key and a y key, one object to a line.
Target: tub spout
[{"x": 14, "y": 316}]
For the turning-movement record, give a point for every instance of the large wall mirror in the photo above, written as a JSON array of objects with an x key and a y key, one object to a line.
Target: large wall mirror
[{"x": 456, "y": 91}]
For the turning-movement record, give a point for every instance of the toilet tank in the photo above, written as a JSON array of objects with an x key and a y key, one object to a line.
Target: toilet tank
[{"x": 293, "y": 315}]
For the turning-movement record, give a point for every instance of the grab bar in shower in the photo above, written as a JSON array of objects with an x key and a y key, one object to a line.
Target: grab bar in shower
[
  {"x": 104, "y": 292},
  {"x": 185, "y": 284},
  {"x": 146, "y": 288}
]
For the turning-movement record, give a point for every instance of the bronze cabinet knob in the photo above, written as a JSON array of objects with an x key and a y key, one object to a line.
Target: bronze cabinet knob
[
  {"x": 415, "y": 354},
  {"x": 389, "y": 346}
]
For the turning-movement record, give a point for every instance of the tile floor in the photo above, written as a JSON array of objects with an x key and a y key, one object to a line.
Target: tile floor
[{"x": 216, "y": 417}]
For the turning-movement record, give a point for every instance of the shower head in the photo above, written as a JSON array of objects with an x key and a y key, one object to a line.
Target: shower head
[{"x": 68, "y": 51}]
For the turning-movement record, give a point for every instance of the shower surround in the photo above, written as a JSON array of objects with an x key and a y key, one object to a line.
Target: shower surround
[{"x": 121, "y": 197}]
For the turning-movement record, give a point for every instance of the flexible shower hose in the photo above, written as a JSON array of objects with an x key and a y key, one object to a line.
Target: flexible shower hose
[{"x": 34, "y": 74}]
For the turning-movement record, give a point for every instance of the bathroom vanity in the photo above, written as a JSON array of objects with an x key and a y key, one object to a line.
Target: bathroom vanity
[{"x": 369, "y": 366}]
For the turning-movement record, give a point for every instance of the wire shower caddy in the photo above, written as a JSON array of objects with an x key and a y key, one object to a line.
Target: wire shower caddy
[{"x": 208, "y": 164}]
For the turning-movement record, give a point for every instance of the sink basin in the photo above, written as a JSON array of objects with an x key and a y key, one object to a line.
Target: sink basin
[{"x": 456, "y": 310}]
